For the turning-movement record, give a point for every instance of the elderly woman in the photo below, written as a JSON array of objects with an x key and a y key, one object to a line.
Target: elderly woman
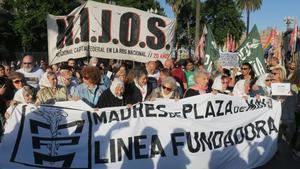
[
  {"x": 90, "y": 90},
  {"x": 262, "y": 86},
  {"x": 139, "y": 89},
  {"x": 167, "y": 90},
  {"x": 241, "y": 88},
  {"x": 201, "y": 84},
  {"x": 220, "y": 84},
  {"x": 50, "y": 91},
  {"x": 112, "y": 97}
]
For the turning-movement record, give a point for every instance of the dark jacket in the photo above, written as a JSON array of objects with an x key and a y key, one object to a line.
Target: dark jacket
[
  {"x": 107, "y": 99},
  {"x": 133, "y": 95}
]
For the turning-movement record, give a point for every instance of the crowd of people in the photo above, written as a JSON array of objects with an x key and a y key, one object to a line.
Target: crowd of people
[{"x": 109, "y": 83}]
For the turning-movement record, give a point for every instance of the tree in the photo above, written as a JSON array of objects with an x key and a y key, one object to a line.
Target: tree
[
  {"x": 29, "y": 20},
  {"x": 249, "y": 6},
  {"x": 224, "y": 17},
  {"x": 139, "y": 4}
]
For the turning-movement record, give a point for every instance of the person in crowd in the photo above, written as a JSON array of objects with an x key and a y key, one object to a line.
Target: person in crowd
[
  {"x": 24, "y": 95},
  {"x": 272, "y": 61},
  {"x": 288, "y": 104},
  {"x": 93, "y": 61},
  {"x": 55, "y": 68},
  {"x": 247, "y": 73},
  {"x": 241, "y": 89},
  {"x": 65, "y": 79},
  {"x": 167, "y": 90},
  {"x": 262, "y": 86},
  {"x": 189, "y": 72},
  {"x": 2, "y": 71},
  {"x": 50, "y": 91},
  {"x": 164, "y": 73},
  {"x": 3, "y": 101},
  {"x": 179, "y": 75},
  {"x": 139, "y": 89},
  {"x": 290, "y": 70},
  {"x": 90, "y": 90},
  {"x": 112, "y": 97},
  {"x": 201, "y": 84},
  {"x": 7, "y": 69},
  {"x": 72, "y": 62},
  {"x": 121, "y": 73},
  {"x": 16, "y": 81},
  {"x": 43, "y": 65},
  {"x": 159, "y": 65},
  {"x": 32, "y": 73},
  {"x": 220, "y": 84},
  {"x": 153, "y": 74}
]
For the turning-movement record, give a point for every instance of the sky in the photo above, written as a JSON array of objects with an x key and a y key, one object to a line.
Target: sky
[{"x": 271, "y": 13}]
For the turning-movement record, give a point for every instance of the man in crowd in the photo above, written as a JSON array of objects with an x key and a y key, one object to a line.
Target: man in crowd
[
  {"x": 32, "y": 73},
  {"x": 153, "y": 73}
]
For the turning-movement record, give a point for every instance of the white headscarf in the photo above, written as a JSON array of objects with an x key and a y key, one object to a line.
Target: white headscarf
[
  {"x": 44, "y": 82},
  {"x": 19, "y": 97},
  {"x": 217, "y": 85},
  {"x": 261, "y": 80},
  {"x": 239, "y": 88},
  {"x": 115, "y": 83}
]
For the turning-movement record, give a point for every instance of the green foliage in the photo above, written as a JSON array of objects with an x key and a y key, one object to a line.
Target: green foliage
[
  {"x": 224, "y": 17},
  {"x": 29, "y": 17},
  {"x": 249, "y": 5},
  {"x": 29, "y": 22}
]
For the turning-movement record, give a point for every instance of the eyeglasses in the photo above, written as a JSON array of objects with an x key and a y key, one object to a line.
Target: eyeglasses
[
  {"x": 167, "y": 88},
  {"x": 268, "y": 80},
  {"x": 18, "y": 81},
  {"x": 27, "y": 63}
]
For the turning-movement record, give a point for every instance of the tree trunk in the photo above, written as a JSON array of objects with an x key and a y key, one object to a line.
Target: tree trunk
[{"x": 248, "y": 21}]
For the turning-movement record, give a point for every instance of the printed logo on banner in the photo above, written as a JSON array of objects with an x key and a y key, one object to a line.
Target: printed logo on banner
[{"x": 52, "y": 140}]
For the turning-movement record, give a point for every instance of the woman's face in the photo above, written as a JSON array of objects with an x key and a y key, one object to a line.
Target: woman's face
[
  {"x": 119, "y": 91},
  {"x": 202, "y": 80},
  {"x": 276, "y": 76},
  {"x": 53, "y": 80},
  {"x": 28, "y": 98},
  {"x": 167, "y": 88},
  {"x": 142, "y": 80},
  {"x": 18, "y": 83},
  {"x": 268, "y": 81},
  {"x": 225, "y": 82},
  {"x": 247, "y": 88},
  {"x": 245, "y": 70},
  {"x": 189, "y": 66}
]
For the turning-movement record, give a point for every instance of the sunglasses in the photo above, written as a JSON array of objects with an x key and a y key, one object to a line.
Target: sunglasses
[
  {"x": 86, "y": 77},
  {"x": 27, "y": 63},
  {"x": 243, "y": 68},
  {"x": 18, "y": 81},
  {"x": 268, "y": 80},
  {"x": 167, "y": 88}
]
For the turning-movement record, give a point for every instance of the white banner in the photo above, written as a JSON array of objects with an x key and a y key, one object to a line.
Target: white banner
[
  {"x": 109, "y": 31},
  {"x": 207, "y": 131},
  {"x": 229, "y": 60}
]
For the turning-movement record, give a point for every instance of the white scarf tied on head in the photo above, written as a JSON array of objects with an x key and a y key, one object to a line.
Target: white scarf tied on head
[
  {"x": 115, "y": 83},
  {"x": 44, "y": 82}
]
